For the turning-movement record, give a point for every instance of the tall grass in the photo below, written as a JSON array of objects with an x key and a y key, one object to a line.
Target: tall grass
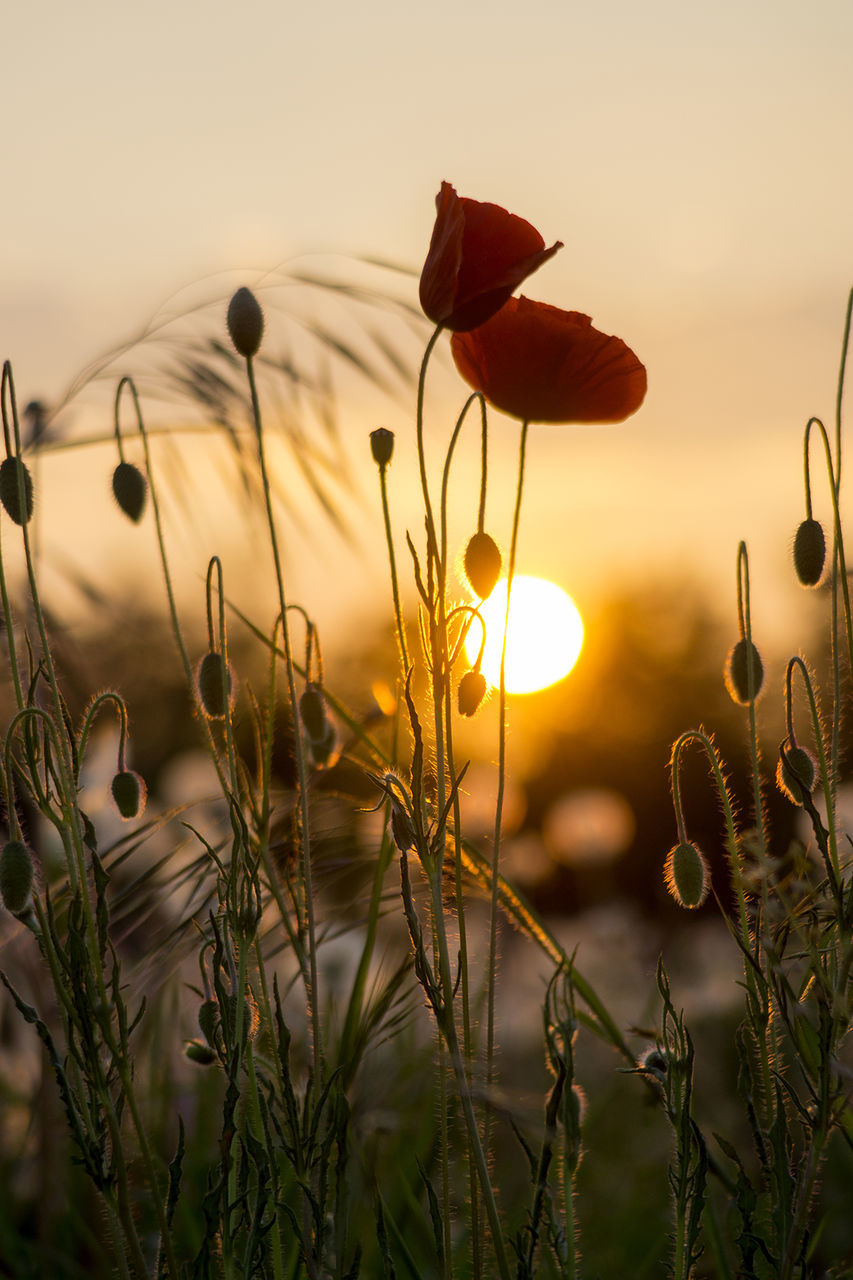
[{"x": 238, "y": 1109}]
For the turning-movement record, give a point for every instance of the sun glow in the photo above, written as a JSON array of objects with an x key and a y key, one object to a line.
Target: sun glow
[{"x": 544, "y": 637}]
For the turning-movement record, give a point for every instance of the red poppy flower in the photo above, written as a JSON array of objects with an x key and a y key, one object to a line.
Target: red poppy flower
[
  {"x": 541, "y": 364},
  {"x": 478, "y": 256}
]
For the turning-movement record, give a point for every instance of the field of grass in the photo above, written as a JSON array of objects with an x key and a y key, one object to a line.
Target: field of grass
[{"x": 274, "y": 1027}]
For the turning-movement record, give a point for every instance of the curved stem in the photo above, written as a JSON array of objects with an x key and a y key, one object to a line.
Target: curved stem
[
  {"x": 94, "y": 707},
  {"x": 745, "y": 624},
  {"x": 839, "y": 397},
  {"x": 445, "y": 477},
  {"x": 164, "y": 563},
  {"x": 839, "y": 576},
  {"x": 702, "y": 739},
  {"x": 420, "y": 440},
  {"x": 823, "y": 765}
]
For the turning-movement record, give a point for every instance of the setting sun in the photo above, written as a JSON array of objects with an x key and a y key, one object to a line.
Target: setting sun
[{"x": 543, "y": 641}]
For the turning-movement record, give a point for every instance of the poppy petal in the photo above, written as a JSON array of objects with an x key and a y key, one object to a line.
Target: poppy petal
[
  {"x": 542, "y": 364},
  {"x": 478, "y": 256}
]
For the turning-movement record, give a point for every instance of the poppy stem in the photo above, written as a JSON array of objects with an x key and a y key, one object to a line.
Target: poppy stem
[
  {"x": 432, "y": 547},
  {"x": 496, "y": 852},
  {"x": 395, "y": 587}
]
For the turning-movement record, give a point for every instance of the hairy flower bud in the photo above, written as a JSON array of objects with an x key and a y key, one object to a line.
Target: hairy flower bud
[
  {"x": 202, "y": 1054},
  {"x": 245, "y": 322},
  {"x": 796, "y": 772},
  {"x": 809, "y": 552},
  {"x": 382, "y": 446},
  {"x": 686, "y": 875},
  {"x": 129, "y": 793},
  {"x": 312, "y": 712},
  {"x": 744, "y": 660},
  {"x": 208, "y": 1020},
  {"x": 472, "y": 691},
  {"x": 654, "y": 1062},
  {"x": 482, "y": 564},
  {"x": 14, "y": 475},
  {"x": 324, "y": 751},
  {"x": 130, "y": 490},
  {"x": 214, "y": 685},
  {"x": 401, "y": 827},
  {"x": 16, "y": 876}
]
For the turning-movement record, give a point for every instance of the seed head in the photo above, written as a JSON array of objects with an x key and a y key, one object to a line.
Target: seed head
[
  {"x": 744, "y": 658},
  {"x": 796, "y": 772},
  {"x": 245, "y": 322},
  {"x": 382, "y": 446},
  {"x": 472, "y": 690},
  {"x": 809, "y": 552},
  {"x": 214, "y": 686},
  {"x": 686, "y": 875},
  {"x": 130, "y": 490},
  {"x": 16, "y": 877},
  {"x": 129, "y": 793},
  {"x": 482, "y": 564},
  {"x": 13, "y": 472}
]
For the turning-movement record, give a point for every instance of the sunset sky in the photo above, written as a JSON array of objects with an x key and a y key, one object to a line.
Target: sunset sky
[{"x": 694, "y": 159}]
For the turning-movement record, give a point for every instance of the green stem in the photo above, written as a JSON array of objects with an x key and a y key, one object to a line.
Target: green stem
[
  {"x": 447, "y": 1026},
  {"x": 496, "y": 852},
  {"x": 420, "y": 440},
  {"x": 395, "y": 587},
  {"x": 301, "y": 770},
  {"x": 806, "y": 1184},
  {"x": 839, "y": 397}
]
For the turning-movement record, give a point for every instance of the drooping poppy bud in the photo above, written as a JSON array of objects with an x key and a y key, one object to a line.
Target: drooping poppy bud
[
  {"x": 129, "y": 794},
  {"x": 478, "y": 256},
  {"x": 809, "y": 552},
  {"x": 130, "y": 489},
  {"x": 16, "y": 876},
  {"x": 654, "y": 1062},
  {"x": 382, "y": 446},
  {"x": 312, "y": 712},
  {"x": 319, "y": 730},
  {"x": 482, "y": 564},
  {"x": 401, "y": 826},
  {"x": 208, "y": 1020},
  {"x": 245, "y": 322},
  {"x": 324, "y": 751},
  {"x": 540, "y": 364},
  {"x": 796, "y": 772},
  {"x": 744, "y": 661},
  {"x": 14, "y": 475},
  {"x": 686, "y": 875},
  {"x": 201, "y": 1054},
  {"x": 214, "y": 685},
  {"x": 472, "y": 691}
]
